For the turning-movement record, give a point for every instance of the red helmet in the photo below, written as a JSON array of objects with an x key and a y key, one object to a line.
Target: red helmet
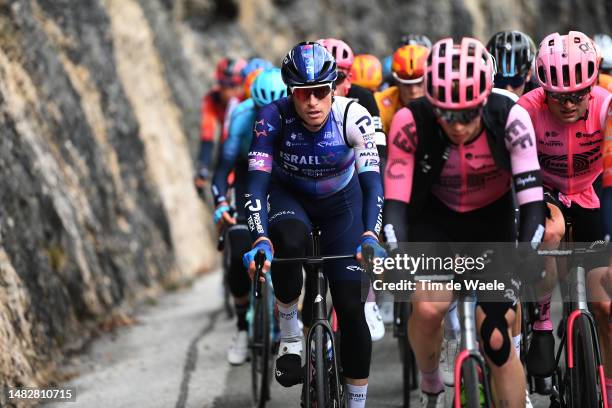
[
  {"x": 458, "y": 76},
  {"x": 229, "y": 71},
  {"x": 566, "y": 63},
  {"x": 341, "y": 51}
]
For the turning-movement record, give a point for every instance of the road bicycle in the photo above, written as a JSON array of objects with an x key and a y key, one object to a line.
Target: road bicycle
[
  {"x": 579, "y": 380},
  {"x": 324, "y": 383},
  {"x": 264, "y": 334}
]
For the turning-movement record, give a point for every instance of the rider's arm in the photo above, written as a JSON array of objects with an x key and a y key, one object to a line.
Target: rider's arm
[
  {"x": 606, "y": 201},
  {"x": 521, "y": 144},
  {"x": 231, "y": 147},
  {"x": 208, "y": 127},
  {"x": 265, "y": 129},
  {"x": 367, "y": 100},
  {"x": 360, "y": 135},
  {"x": 398, "y": 175}
]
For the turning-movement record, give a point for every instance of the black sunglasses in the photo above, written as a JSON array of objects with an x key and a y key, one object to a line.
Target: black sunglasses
[
  {"x": 515, "y": 81},
  {"x": 573, "y": 97},
  {"x": 464, "y": 116}
]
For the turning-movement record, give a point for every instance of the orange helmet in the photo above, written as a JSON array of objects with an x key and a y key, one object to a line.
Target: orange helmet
[
  {"x": 366, "y": 71},
  {"x": 408, "y": 64},
  {"x": 250, "y": 78}
]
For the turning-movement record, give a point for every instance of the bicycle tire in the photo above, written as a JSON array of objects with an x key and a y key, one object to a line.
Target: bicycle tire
[
  {"x": 227, "y": 296},
  {"x": 337, "y": 359},
  {"x": 321, "y": 384},
  {"x": 584, "y": 380},
  {"x": 405, "y": 351},
  {"x": 260, "y": 351},
  {"x": 469, "y": 375}
]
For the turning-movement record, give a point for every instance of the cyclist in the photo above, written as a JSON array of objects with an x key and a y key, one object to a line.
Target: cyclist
[
  {"x": 408, "y": 68},
  {"x": 568, "y": 114},
  {"x": 268, "y": 86},
  {"x": 336, "y": 186},
  {"x": 250, "y": 71},
  {"x": 344, "y": 61},
  {"x": 367, "y": 72},
  {"x": 216, "y": 107},
  {"x": 605, "y": 68},
  {"x": 514, "y": 52},
  {"x": 452, "y": 156}
]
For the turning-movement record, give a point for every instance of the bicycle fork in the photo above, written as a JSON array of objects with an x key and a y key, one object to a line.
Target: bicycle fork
[{"x": 469, "y": 348}]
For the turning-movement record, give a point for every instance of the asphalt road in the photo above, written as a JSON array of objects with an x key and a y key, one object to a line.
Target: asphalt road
[{"x": 174, "y": 356}]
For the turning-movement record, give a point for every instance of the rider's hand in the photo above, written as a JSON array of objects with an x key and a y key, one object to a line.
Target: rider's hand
[
  {"x": 249, "y": 258},
  {"x": 530, "y": 265},
  {"x": 200, "y": 181},
  {"x": 371, "y": 240},
  {"x": 222, "y": 215}
]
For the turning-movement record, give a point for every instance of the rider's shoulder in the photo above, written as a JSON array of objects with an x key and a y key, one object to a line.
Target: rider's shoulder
[
  {"x": 246, "y": 106},
  {"x": 387, "y": 97},
  {"x": 535, "y": 98},
  {"x": 599, "y": 92}
]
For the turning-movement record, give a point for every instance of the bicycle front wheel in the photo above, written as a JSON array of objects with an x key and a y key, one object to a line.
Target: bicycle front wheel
[
  {"x": 584, "y": 379},
  {"x": 260, "y": 351}
]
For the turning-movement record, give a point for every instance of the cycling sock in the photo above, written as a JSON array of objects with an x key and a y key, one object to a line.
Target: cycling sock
[
  {"x": 371, "y": 295},
  {"x": 609, "y": 390},
  {"x": 452, "y": 329},
  {"x": 288, "y": 321},
  {"x": 431, "y": 382},
  {"x": 516, "y": 341},
  {"x": 357, "y": 395},
  {"x": 241, "y": 311},
  {"x": 543, "y": 323}
]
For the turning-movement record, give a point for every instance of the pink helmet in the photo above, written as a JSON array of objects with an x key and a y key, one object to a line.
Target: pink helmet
[
  {"x": 566, "y": 63},
  {"x": 341, "y": 52},
  {"x": 458, "y": 76}
]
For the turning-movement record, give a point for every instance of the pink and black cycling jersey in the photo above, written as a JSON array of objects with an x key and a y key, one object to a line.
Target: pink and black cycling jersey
[
  {"x": 570, "y": 155},
  {"x": 470, "y": 178}
]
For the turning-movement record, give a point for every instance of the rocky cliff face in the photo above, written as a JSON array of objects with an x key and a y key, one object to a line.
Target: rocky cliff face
[{"x": 99, "y": 105}]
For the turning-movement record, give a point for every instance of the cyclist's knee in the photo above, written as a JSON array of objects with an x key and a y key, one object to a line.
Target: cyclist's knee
[
  {"x": 428, "y": 314},
  {"x": 290, "y": 237},
  {"x": 555, "y": 225},
  {"x": 494, "y": 332}
]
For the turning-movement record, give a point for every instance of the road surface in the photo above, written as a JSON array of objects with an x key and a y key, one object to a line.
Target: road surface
[{"x": 174, "y": 356}]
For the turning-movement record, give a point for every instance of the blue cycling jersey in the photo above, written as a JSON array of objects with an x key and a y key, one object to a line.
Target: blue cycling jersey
[
  {"x": 313, "y": 164},
  {"x": 236, "y": 147}
]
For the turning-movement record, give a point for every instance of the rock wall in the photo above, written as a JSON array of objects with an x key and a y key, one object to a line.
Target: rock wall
[{"x": 99, "y": 105}]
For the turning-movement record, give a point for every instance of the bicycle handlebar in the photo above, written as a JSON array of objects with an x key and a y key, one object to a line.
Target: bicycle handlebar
[
  {"x": 312, "y": 259},
  {"x": 559, "y": 253}
]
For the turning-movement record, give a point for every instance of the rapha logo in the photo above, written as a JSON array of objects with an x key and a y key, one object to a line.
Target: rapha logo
[
  {"x": 289, "y": 121},
  {"x": 523, "y": 181}
]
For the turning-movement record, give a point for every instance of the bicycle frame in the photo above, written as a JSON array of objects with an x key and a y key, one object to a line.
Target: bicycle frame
[{"x": 469, "y": 345}]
